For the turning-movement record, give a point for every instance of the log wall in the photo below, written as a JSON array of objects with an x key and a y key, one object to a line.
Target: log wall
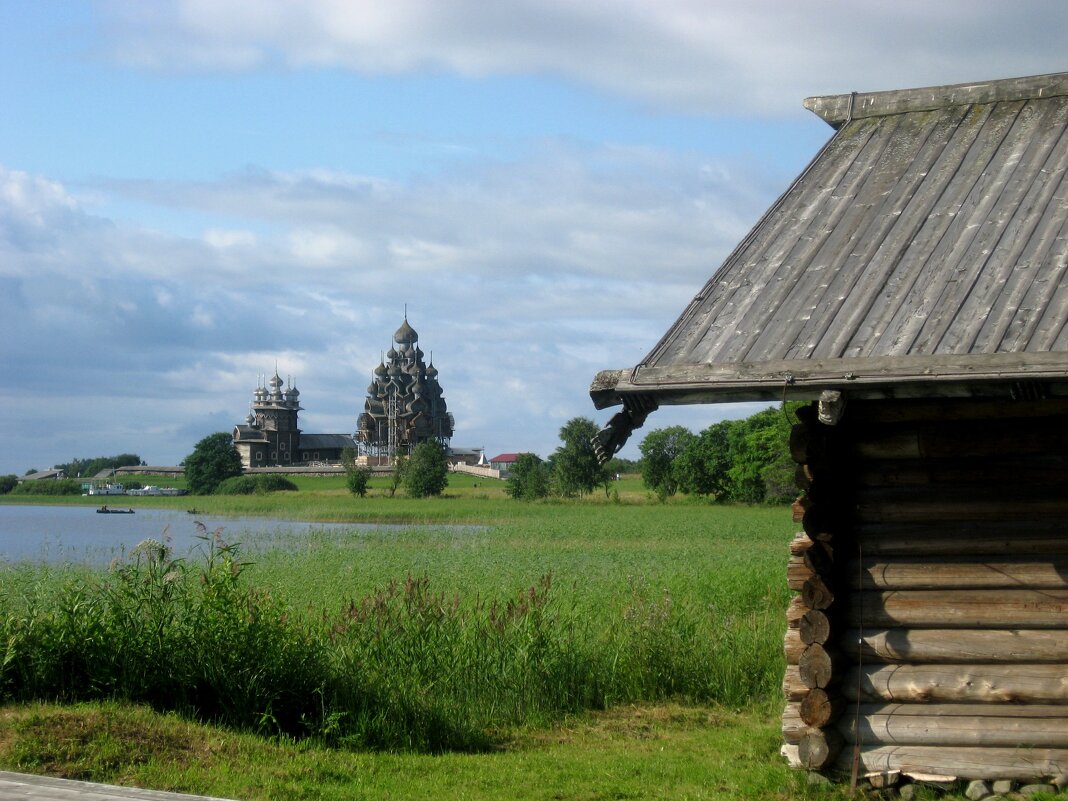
[{"x": 929, "y": 634}]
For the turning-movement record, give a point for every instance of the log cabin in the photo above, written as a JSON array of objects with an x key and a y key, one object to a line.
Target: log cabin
[{"x": 912, "y": 285}]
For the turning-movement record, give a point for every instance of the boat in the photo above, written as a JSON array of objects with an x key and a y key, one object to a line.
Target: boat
[{"x": 103, "y": 510}]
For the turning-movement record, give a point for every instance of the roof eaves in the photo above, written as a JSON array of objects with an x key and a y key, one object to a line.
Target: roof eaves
[{"x": 898, "y": 376}]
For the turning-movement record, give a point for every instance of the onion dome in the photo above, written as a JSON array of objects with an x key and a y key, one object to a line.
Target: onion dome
[
  {"x": 405, "y": 334},
  {"x": 260, "y": 394},
  {"x": 431, "y": 371},
  {"x": 394, "y": 369},
  {"x": 251, "y": 419},
  {"x": 391, "y": 354},
  {"x": 372, "y": 389},
  {"x": 381, "y": 369}
]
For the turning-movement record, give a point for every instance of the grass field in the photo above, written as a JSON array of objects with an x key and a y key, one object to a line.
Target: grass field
[{"x": 611, "y": 647}]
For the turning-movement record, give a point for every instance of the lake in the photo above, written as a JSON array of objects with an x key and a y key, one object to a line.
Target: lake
[{"x": 58, "y": 534}]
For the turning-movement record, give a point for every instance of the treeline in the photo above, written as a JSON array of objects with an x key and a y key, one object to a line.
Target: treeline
[
  {"x": 87, "y": 468},
  {"x": 733, "y": 461}
]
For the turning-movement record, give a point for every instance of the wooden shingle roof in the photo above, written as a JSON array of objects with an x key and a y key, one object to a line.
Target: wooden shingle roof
[{"x": 923, "y": 251}]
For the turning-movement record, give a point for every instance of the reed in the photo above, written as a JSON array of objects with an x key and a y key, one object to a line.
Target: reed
[{"x": 430, "y": 639}]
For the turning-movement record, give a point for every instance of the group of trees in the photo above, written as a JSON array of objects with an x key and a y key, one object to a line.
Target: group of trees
[
  {"x": 87, "y": 468},
  {"x": 742, "y": 461},
  {"x": 572, "y": 469},
  {"x": 423, "y": 473}
]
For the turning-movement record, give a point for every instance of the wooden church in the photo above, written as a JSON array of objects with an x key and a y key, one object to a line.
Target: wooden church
[{"x": 912, "y": 283}]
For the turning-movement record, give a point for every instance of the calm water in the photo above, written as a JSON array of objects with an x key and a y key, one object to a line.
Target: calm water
[{"x": 78, "y": 534}]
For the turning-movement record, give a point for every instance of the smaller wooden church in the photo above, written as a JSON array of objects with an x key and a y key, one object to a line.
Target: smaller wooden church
[{"x": 913, "y": 283}]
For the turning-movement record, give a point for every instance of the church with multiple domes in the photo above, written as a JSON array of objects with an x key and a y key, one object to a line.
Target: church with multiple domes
[
  {"x": 404, "y": 406},
  {"x": 271, "y": 435}
]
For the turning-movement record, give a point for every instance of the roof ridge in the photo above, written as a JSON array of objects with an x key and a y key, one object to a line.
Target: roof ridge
[{"x": 836, "y": 111}]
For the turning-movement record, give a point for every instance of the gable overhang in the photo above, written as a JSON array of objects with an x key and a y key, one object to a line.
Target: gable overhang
[{"x": 993, "y": 375}]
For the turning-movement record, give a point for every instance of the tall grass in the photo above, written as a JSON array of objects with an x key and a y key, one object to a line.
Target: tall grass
[{"x": 424, "y": 640}]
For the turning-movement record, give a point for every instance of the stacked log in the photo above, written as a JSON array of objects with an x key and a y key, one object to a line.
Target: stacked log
[
  {"x": 940, "y": 598},
  {"x": 814, "y": 703}
]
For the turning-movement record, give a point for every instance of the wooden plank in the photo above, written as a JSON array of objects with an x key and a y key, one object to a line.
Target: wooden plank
[
  {"x": 995, "y": 218},
  {"x": 836, "y": 109},
  {"x": 1021, "y": 764},
  {"x": 964, "y": 609},
  {"x": 973, "y": 537},
  {"x": 919, "y": 259},
  {"x": 891, "y": 220},
  {"x": 950, "y": 683},
  {"x": 1041, "y": 322},
  {"x": 753, "y": 264},
  {"x": 854, "y": 221},
  {"x": 960, "y": 504},
  {"x": 960, "y": 440},
  {"x": 986, "y": 725},
  {"x": 942, "y": 409},
  {"x": 958, "y": 573},
  {"x": 832, "y": 219},
  {"x": 683, "y": 381},
  {"x": 956, "y": 646},
  {"x": 1023, "y": 253},
  {"x": 1012, "y": 475}
]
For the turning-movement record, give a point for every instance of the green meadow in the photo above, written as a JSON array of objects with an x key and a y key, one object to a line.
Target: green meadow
[{"x": 608, "y": 647}]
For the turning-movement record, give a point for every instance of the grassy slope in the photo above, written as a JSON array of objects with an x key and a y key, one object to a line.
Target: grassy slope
[{"x": 645, "y": 752}]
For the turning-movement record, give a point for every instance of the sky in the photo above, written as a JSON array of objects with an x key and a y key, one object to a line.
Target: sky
[{"x": 193, "y": 192}]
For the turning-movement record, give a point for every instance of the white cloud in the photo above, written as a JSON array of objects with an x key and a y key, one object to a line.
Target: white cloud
[
  {"x": 521, "y": 294},
  {"x": 692, "y": 55}
]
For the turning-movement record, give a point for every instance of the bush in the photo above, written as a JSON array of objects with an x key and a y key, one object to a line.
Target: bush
[
  {"x": 255, "y": 485},
  {"x": 427, "y": 471},
  {"x": 356, "y": 480},
  {"x": 8, "y": 483},
  {"x": 60, "y": 486},
  {"x": 530, "y": 478},
  {"x": 275, "y": 483}
]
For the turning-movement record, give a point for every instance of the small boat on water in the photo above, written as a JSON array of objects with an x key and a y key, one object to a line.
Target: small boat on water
[{"x": 103, "y": 510}]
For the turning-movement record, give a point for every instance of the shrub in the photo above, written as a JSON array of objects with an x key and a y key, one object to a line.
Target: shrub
[
  {"x": 356, "y": 480},
  {"x": 427, "y": 471},
  {"x": 255, "y": 485},
  {"x": 61, "y": 486},
  {"x": 274, "y": 483},
  {"x": 8, "y": 483},
  {"x": 530, "y": 478},
  {"x": 237, "y": 485}
]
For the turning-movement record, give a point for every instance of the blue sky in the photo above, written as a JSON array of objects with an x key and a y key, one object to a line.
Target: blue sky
[{"x": 193, "y": 191}]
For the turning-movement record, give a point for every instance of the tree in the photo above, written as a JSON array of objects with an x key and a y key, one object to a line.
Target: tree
[
  {"x": 396, "y": 478},
  {"x": 660, "y": 449},
  {"x": 356, "y": 477},
  {"x": 758, "y": 444},
  {"x": 427, "y": 472},
  {"x": 8, "y": 483},
  {"x": 704, "y": 465},
  {"x": 529, "y": 479},
  {"x": 213, "y": 460},
  {"x": 576, "y": 470}
]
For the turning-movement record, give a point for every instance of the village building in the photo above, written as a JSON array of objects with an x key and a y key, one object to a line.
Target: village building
[
  {"x": 271, "y": 435},
  {"x": 912, "y": 283},
  {"x": 405, "y": 404}
]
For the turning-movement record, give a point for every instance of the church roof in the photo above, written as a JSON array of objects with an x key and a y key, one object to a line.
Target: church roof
[
  {"x": 924, "y": 249},
  {"x": 324, "y": 441},
  {"x": 405, "y": 335}
]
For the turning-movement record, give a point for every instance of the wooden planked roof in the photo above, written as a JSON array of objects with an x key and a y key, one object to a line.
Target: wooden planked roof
[{"x": 924, "y": 250}]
